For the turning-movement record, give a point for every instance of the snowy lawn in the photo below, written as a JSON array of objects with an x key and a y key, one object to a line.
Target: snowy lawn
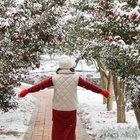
[
  {"x": 13, "y": 124},
  {"x": 100, "y": 123}
]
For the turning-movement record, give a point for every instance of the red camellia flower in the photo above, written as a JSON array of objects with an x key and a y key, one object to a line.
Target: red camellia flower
[
  {"x": 37, "y": 65},
  {"x": 1, "y": 88},
  {"x": 94, "y": 14},
  {"x": 27, "y": 39},
  {"x": 5, "y": 109},
  {"x": 117, "y": 38},
  {"x": 14, "y": 81},
  {"x": 115, "y": 16},
  {"x": 0, "y": 28},
  {"x": 60, "y": 38},
  {"x": 110, "y": 39},
  {"x": 138, "y": 96},
  {"x": 10, "y": 55},
  {"x": 38, "y": 11},
  {"x": 134, "y": 16},
  {"x": 27, "y": 56},
  {"x": 18, "y": 41}
]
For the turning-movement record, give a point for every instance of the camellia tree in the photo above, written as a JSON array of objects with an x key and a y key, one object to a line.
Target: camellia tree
[
  {"x": 26, "y": 29},
  {"x": 108, "y": 31},
  {"x": 121, "y": 33},
  {"x": 83, "y": 36}
]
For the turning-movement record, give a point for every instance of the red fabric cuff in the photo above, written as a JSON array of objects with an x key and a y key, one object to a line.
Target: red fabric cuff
[
  {"x": 105, "y": 93},
  {"x": 23, "y": 93}
]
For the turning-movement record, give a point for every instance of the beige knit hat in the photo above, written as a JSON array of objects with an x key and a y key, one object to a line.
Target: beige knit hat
[{"x": 65, "y": 62}]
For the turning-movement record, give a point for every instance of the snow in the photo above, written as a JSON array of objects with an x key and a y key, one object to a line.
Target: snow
[
  {"x": 19, "y": 1},
  {"x": 99, "y": 122},
  {"x": 102, "y": 123},
  {"x": 13, "y": 124}
]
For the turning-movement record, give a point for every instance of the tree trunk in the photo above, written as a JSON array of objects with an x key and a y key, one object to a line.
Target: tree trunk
[
  {"x": 103, "y": 78},
  {"x": 119, "y": 96},
  {"x": 137, "y": 114},
  {"x": 110, "y": 89},
  {"x": 104, "y": 83},
  {"x": 121, "y": 118},
  {"x": 107, "y": 84}
]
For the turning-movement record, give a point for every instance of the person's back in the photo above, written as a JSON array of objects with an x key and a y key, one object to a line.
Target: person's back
[
  {"x": 65, "y": 91},
  {"x": 65, "y": 102}
]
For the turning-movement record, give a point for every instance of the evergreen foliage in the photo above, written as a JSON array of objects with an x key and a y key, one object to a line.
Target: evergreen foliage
[
  {"x": 121, "y": 46},
  {"x": 26, "y": 30},
  {"x": 107, "y": 30}
]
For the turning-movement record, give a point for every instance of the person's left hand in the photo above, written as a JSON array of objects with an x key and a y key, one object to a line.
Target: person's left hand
[{"x": 106, "y": 93}]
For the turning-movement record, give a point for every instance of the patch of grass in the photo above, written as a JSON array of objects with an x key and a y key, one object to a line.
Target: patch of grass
[{"x": 14, "y": 133}]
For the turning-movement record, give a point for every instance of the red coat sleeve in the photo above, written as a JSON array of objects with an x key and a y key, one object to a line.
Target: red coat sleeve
[
  {"x": 42, "y": 85},
  {"x": 87, "y": 85}
]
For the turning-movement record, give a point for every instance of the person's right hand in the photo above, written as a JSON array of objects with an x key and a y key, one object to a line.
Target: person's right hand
[{"x": 23, "y": 93}]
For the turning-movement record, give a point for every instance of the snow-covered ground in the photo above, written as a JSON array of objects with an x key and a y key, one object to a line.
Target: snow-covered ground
[
  {"x": 99, "y": 122},
  {"x": 13, "y": 124}
]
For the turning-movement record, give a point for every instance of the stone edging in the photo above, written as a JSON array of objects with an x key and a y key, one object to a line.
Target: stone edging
[
  {"x": 28, "y": 133},
  {"x": 82, "y": 129}
]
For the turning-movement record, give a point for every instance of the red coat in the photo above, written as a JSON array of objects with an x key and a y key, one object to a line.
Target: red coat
[
  {"x": 81, "y": 82},
  {"x": 64, "y": 122}
]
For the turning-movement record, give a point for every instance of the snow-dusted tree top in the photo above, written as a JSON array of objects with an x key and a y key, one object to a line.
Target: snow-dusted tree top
[{"x": 110, "y": 28}]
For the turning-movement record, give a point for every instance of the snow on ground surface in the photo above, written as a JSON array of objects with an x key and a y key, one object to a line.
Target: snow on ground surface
[
  {"x": 100, "y": 123},
  {"x": 13, "y": 124}
]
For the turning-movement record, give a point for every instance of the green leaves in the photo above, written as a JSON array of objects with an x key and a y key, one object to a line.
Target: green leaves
[{"x": 26, "y": 30}]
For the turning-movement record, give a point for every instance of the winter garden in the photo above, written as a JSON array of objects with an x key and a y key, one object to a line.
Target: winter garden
[{"x": 102, "y": 33}]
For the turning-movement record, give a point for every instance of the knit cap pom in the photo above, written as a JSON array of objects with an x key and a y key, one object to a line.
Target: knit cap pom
[{"x": 65, "y": 62}]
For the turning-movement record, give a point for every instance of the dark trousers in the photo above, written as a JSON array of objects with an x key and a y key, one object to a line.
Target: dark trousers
[{"x": 64, "y": 125}]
